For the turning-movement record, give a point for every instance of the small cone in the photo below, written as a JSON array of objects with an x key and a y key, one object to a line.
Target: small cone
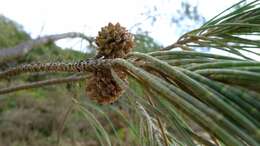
[
  {"x": 113, "y": 41},
  {"x": 102, "y": 88}
]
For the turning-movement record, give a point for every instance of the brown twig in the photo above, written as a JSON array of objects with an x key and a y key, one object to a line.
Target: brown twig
[
  {"x": 23, "y": 48},
  {"x": 181, "y": 44},
  {"x": 41, "y": 83},
  {"x": 63, "y": 121}
]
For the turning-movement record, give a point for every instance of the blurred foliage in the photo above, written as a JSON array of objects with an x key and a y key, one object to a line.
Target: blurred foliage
[
  {"x": 51, "y": 52},
  {"x": 11, "y": 33},
  {"x": 183, "y": 15},
  {"x": 187, "y": 12},
  {"x": 144, "y": 43}
]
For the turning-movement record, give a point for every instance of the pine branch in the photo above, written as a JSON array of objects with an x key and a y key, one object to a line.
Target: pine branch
[
  {"x": 235, "y": 31},
  {"x": 41, "y": 83}
]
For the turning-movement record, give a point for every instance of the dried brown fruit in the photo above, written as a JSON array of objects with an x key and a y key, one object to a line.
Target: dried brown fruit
[
  {"x": 102, "y": 88},
  {"x": 113, "y": 41}
]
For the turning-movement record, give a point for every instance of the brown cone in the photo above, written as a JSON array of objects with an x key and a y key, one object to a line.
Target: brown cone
[{"x": 113, "y": 41}]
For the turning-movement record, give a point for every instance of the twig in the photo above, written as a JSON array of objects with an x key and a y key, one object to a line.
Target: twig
[
  {"x": 41, "y": 83},
  {"x": 181, "y": 44},
  {"x": 23, "y": 48},
  {"x": 63, "y": 121}
]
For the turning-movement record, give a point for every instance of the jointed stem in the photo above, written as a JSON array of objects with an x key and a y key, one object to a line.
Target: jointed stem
[{"x": 82, "y": 66}]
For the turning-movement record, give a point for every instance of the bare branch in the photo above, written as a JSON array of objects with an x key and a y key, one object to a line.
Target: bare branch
[
  {"x": 25, "y": 47},
  {"x": 82, "y": 66},
  {"x": 41, "y": 83}
]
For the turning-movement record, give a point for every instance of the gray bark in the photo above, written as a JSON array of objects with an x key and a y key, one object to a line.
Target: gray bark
[{"x": 7, "y": 54}]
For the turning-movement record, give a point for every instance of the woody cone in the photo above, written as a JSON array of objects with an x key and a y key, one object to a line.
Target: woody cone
[{"x": 113, "y": 41}]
